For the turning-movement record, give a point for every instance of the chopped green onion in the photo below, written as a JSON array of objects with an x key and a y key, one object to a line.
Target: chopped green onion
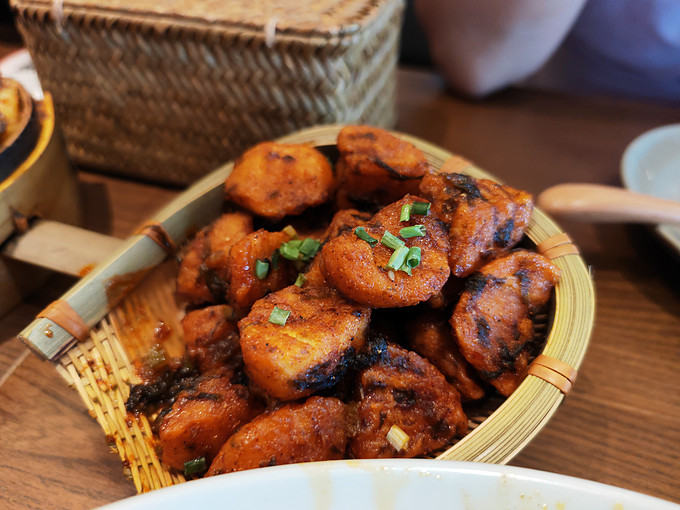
[
  {"x": 421, "y": 208},
  {"x": 397, "y": 258},
  {"x": 397, "y": 438},
  {"x": 413, "y": 231},
  {"x": 191, "y": 467},
  {"x": 413, "y": 257},
  {"x": 391, "y": 241},
  {"x": 291, "y": 249},
  {"x": 275, "y": 259},
  {"x": 412, "y": 260},
  {"x": 288, "y": 229},
  {"x": 361, "y": 233},
  {"x": 309, "y": 247},
  {"x": 261, "y": 269},
  {"x": 405, "y": 212},
  {"x": 279, "y": 316},
  {"x": 300, "y": 280}
]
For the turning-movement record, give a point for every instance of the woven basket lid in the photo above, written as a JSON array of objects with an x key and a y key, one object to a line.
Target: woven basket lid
[{"x": 325, "y": 18}]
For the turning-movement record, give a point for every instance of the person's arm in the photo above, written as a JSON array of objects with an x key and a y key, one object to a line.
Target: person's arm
[{"x": 481, "y": 46}]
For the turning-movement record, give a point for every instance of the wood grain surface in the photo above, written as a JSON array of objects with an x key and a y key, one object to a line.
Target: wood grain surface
[{"x": 620, "y": 423}]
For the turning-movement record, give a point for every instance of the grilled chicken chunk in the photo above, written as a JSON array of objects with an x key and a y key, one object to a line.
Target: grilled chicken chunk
[
  {"x": 492, "y": 321},
  {"x": 376, "y": 167},
  {"x": 211, "y": 337},
  {"x": 311, "y": 350},
  {"x": 275, "y": 180},
  {"x": 245, "y": 287},
  {"x": 485, "y": 219},
  {"x": 203, "y": 274},
  {"x": 358, "y": 269},
  {"x": 202, "y": 419},
  {"x": 406, "y": 391},
  {"x": 313, "y": 431},
  {"x": 431, "y": 336}
]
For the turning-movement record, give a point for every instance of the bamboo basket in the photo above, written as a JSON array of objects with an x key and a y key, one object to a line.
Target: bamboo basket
[
  {"x": 125, "y": 322},
  {"x": 167, "y": 91}
]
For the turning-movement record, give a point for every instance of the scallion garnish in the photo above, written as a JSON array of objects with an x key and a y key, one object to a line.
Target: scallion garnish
[
  {"x": 397, "y": 258},
  {"x": 279, "y": 316},
  {"x": 300, "y": 280},
  {"x": 413, "y": 257},
  {"x": 413, "y": 231},
  {"x": 391, "y": 241},
  {"x": 261, "y": 269},
  {"x": 421, "y": 208},
  {"x": 405, "y": 212},
  {"x": 191, "y": 467},
  {"x": 361, "y": 233},
  {"x": 412, "y": 260},
  {"x": 275, "y": 259},
  {"x": 309, "y": 247},
  {"x": 291, "y": 249},
  {"x": 288, "y": 229}
]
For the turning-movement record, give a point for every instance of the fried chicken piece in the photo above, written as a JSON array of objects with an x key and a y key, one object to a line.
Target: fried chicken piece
[
  {"x": 492, "y": 321},
  {"x": 202, "y": 419},
  {"x": 274, "y": 180},
  {"x": 343, "y": 221},
  {"x": 375, "y": 167},
  {"x": 313, "y": 431},
  {"x": 311, "y": 350},
  {"x": 245, "y": 287},
  {"x": 211, "y": 337},
  {"x": 431, "y": 336},
  {"x": 359, "y": 271},
  {"x": 485, "y": 219},
  {"x": 406, "y": 391},
  {"x": 203, "y": 274}
]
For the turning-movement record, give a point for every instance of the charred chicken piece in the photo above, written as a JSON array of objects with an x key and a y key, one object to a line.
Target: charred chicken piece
[
  {"x": 249, "y": 283},
  {"x": 203, "y": 274},
  {"x": 360, "y": 269},
  {"x": 211, "y": 337},
  {"x": 431, "y": 336},
  {"x": 313, "y": 431},
  {"x": 405, "y": 392},
  {"x": 493, "y": 319},
  {"x": 376, "y": 167},
  {"x": 275, "y": 180},
  {"x": 202, "y": 419},
  {"x": 485, "y": 219},
  {"x": 310, "y": 348}
]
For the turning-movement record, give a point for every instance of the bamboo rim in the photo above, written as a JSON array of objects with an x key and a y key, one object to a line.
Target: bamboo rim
[{"x": 101, "y": 369}]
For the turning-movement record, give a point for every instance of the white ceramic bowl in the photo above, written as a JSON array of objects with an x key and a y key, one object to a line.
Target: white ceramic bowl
[
  {"x": 651, "y": 165},
  {"x": 407, "y": 484}
]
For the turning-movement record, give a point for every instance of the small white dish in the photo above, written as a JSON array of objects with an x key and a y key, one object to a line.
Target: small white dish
[
  {"x": 651, "y": 165},
  {"x": 397, "y": 484}
]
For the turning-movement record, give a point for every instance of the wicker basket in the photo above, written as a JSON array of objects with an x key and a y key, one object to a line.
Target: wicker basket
[
  {"x": 102, "y": 365},
  {"x": 167, "y": 91}
]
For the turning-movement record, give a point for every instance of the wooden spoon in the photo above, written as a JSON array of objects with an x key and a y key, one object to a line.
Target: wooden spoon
[{"x": 608, "y": 204}]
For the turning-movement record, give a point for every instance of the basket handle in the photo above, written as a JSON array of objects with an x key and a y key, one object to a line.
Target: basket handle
[
  {"x": 60, "y": 247},
  {"x": 110, "y": 281}
]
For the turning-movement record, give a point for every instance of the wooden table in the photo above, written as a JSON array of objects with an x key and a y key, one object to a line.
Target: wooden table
[{"x": 621, "y": 423}]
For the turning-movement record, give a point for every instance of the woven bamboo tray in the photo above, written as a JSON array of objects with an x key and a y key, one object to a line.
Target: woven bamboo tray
[
  {"x": 101, "y": 366},
  {"x": 167, "y": 91}
]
